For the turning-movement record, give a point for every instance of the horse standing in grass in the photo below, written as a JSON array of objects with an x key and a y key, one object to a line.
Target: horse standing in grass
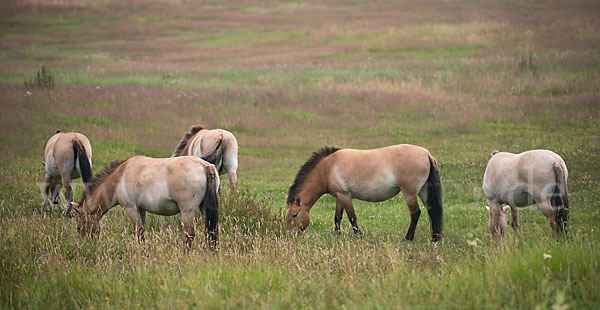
[
  {"x": 520, "y": 180},
  {"x": 164, "y": 186},
  {"x": 68, "y": 156},
  {"x": 369, "y": 175},
  {"x": 217, "y": 146}
]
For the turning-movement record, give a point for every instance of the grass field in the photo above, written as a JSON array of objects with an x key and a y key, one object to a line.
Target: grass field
[{"x": 460, "y": 78}]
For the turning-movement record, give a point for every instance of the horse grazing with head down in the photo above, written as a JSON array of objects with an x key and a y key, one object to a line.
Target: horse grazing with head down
[
  {"x": 217, "y": 146},
  {"x": 68, "y": 156},
  {"x": 164, "y": 186},
  {"x": 369, "y": 175},
  {"x": 520, "y": 180}
]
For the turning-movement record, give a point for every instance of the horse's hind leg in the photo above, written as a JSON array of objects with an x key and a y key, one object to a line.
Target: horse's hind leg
[
  {"x": 415, "y": 212},
  {"x": 232, "y": 179},
  {"x": 187, "y": 220},
  {"x": 66, "y": 181},
  {"x": 555, "y": 217}
]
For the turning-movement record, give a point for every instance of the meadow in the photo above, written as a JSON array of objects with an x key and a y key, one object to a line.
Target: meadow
[{"x": 460, "y": 78}]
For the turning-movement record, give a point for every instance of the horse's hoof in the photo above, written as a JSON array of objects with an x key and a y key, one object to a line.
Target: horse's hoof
[{"x": 47, "y": 207}]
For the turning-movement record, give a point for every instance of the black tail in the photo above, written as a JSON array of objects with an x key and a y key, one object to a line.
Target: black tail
[
  {"x": 434, "y": 199},
  {"x": 560, "y": 200},
  {"x": 85, "y": 167},
  {"x": 210, "y": 207},
  {"x": 216, "y": 156}
]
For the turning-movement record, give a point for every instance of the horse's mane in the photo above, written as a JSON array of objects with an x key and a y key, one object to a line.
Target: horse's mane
[
  {"x": 186, "y": 138},
  {"x": 100, "y": 177},
  {"x": 305, "y": 170}
]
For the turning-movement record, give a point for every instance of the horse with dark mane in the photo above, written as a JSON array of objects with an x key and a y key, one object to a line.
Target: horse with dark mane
[
  {"x": 217, "y": 146},
  {"x": 369, "y": 175},
  {"x": 163, "y": 186}
]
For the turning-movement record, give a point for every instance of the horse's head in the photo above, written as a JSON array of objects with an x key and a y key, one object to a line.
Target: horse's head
[
  {"x": 502, "y": 220},
  {"x": 297, "y": 217},
  {"x": 88, "y": 224}
]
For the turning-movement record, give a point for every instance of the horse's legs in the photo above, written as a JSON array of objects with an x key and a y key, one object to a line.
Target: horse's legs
[
  {"x": 514, "y": 211},
  {"x": 55, "y": 187},
  {"x": 415, "y": 212},
  {"x": 232, "y": 179},
  {"x": 138, "y": 221},
  {"x": 66, "y": 181},
  {"x": 346, "y": 202},
  {"x": 339, "y": 213},
  {"x": 187, "y": 219},
  {"x": 495, "y": 224},
  {"x": 549, "y": 212},
  {"x": 47, "y": 205}
]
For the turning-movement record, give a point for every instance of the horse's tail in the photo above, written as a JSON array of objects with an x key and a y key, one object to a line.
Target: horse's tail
[
  {"x": 210, "y": 206},
  {"x": 85, "y": 167},
  {"x": 215, "y": 157},
  {"x": 560, "y": 199},
  {"x": 434, "y": 199}
]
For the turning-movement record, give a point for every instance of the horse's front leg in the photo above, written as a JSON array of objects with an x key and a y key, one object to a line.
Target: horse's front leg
[
  {"x": 346, "y": 201},
  {"x": 138, "y": 218},
  {"x": 339, "y": 212},
  {"x": 514, "y": 211}
]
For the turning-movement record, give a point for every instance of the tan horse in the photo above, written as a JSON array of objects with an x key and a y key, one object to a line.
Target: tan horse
[
  {"x": 369, "y": 175},
  {"x": 164, "y": 186},
  {"x": 520, "y": 180},
  {"x": 68, "y": 156},
  {"x": 217, "y": 146}
]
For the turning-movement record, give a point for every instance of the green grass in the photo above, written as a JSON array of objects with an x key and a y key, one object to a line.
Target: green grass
[{"x": 287, "y": 79}]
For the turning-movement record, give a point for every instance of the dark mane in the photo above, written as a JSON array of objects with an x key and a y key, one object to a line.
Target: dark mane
[
  {"x": 305, "y": 170},
  {"x": 186, "y": 138},
  {"x": 95, "y": 182}
]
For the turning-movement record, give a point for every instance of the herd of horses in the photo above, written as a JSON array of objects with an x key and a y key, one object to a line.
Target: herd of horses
[{"x": 189, "y": 180}]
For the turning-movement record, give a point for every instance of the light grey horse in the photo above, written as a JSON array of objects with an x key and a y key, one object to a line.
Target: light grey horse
[{"x": 520, "y": 180}]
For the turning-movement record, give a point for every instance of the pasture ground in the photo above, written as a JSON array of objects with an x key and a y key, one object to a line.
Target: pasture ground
[{"x": 461, "y": 78}]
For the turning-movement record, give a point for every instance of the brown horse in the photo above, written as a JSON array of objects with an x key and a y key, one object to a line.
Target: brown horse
[
  {"x": 217, "y": 146},
  {"x": 164, "y": 186},
  {"x": 369, "y": 175},
  {"x": 68, "y": 156}
]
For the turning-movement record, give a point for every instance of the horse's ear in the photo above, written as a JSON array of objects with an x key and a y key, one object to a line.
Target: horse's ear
[
  {"x": 487, "y": 207},
  {"x": 43, "y": 163},
  {"x": 506, "y": 208},
  {"x": 298, "y": 199}
]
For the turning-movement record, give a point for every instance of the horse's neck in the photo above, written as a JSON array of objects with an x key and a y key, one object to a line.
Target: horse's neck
[
  {"x": 105, "y": 197},
  {"x": 313, "y": 187}
]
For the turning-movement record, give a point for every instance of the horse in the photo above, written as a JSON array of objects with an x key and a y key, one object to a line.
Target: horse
[
  {"x": 520, "y": 180},
  {"x": 163, "y": 186},
  {"x": 368, "y": 175},
  {"x": 217, "y": 146},
  {"x": 68, "y": 156}
]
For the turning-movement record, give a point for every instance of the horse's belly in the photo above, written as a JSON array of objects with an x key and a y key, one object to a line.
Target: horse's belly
[
  {"x": 518, "y": 198},
  {"x": 376, "y": 194},
  {"x": 161, "y": 207}
]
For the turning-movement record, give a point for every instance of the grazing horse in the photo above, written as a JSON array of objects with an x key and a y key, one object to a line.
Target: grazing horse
[
  {"x": 164, "y": 186},
  {"x": 520, "y": 180},
  {"x": 68, "y": 156},
  {"x": 217, "y": 146},
  {"x": 369, "y": 175}
]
